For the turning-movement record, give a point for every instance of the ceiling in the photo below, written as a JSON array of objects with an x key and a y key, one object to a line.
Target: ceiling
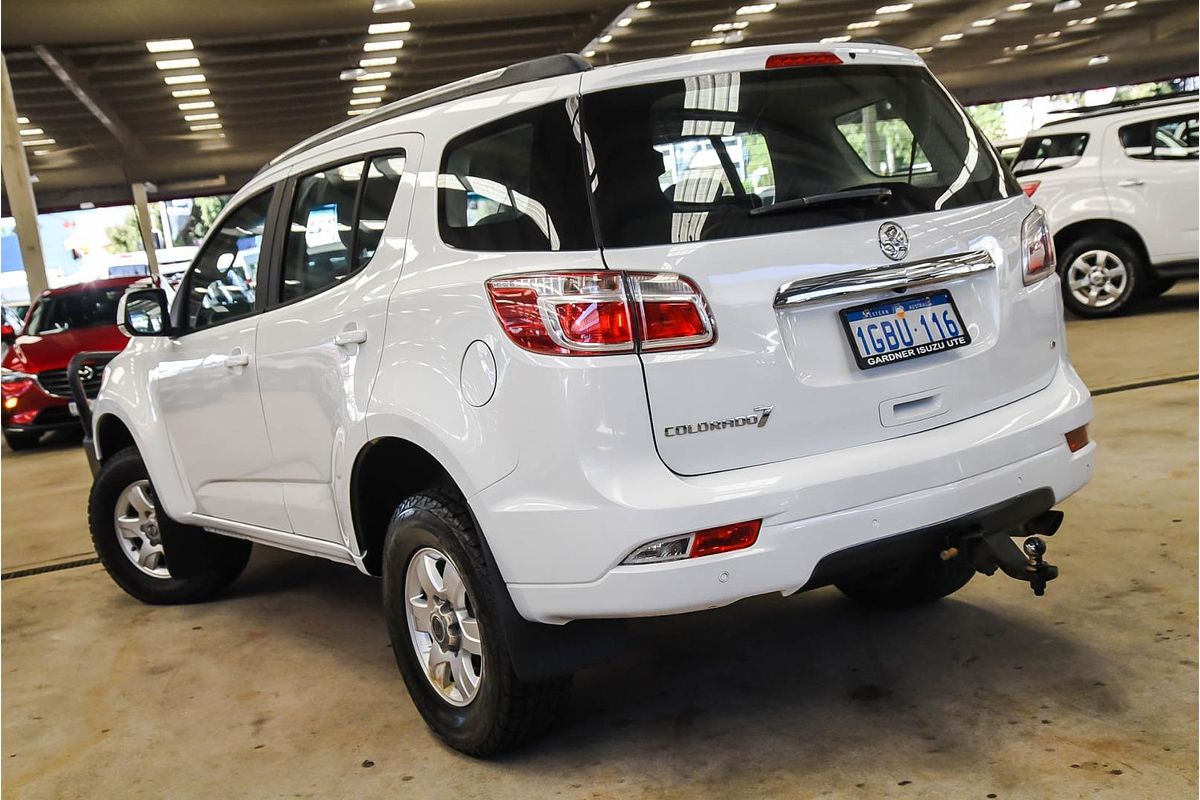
[{"x": 82, "y": 73}]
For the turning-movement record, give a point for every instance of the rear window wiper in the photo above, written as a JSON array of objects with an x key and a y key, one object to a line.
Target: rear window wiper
[{"x": 878, "y": 193}]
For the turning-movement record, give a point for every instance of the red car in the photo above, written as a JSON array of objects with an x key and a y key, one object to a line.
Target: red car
[{"x": 60, "y": 323}]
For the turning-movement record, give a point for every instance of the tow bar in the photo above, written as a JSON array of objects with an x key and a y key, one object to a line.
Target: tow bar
[{"x": 989, "y": 551}]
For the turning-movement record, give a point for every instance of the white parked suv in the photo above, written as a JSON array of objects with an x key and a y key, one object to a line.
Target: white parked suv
[
  {"x": 1120, "y": 185},
  {"x": 556, "y": 347}
]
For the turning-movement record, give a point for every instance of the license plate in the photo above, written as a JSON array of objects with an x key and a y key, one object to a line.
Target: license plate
[
  {"x": 73, "y": 408},
  {"x": 903, "y": 329}
]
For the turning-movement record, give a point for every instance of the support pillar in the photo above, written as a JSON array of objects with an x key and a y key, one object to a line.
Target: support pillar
[
  {"x": 142, "y": 207},
  {"x": 17, "y": 184}
]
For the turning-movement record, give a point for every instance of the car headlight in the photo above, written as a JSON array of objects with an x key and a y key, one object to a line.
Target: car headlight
[{"x": 12, "y": 376}]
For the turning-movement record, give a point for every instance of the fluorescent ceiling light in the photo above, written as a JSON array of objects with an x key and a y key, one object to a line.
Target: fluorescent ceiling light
[
  {"x": 40, "y": 152},
  {"x": 175, "y": 80},
  {"x": 390, "y": 6},
  {"x": 1020, "y": 6},
  {"x": 208, "y": 126},
  {"x": 642, "y": 6},
  {"x": 589, "y": 53},
  {"x": 365, "y": 101},
  {"x": 1096, "y": 61},
  {"x": 378, "y": 87},
  {"x": 354, "y": 112},
  {"x": 374, "y": 76},
  {"x": 1021, "y": 48},
  {"x": 22, "y": 120},
  {"x": 721, "y": 27},
  {"x": 380, "y": 61},
  {"x": 389, "y": 27},
  {"x": 36, "y": 142},
  {"x": 386, "y": 44},
  {"x": 1126, "y": 6},
  {"x": 169, "y": 45},
  {"x": 708, "y": 42},
  {"x": 858, "y": 26},
  {"x": 201, "y": 117},
  {"x": 896, "y": 9},
  {"x": 983, "y": 23},
  {"x": 951, "y": 37},
  {"x": 761, "y": 8},
  {"x": 1066, "y": 5},
  {"x": 1087, "y": 21},
  {"x": 606, "y": 38},
  {"x": 922, "y": 50},
  {"x": 835, "y": 39},
  {"x": 178, "y": 63},
  {"x": 196, "y": 106},
  {"x": 190, "y": 93},
  {"x": 31, "y": 131},
  {"x": 624, "y": 22}
]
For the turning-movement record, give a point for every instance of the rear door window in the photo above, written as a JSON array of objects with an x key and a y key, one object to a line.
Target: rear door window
[
  {"x": 738, "y": 154},
  {"x": 516, "y": 184},
  {"x": 1045, "y": 153},
  {"x": 1170, "y": 138}
]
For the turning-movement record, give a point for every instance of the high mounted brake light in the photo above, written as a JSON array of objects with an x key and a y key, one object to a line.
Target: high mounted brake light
[
  {"x": 802, "y": 60},
  {"x": 601, "y": 313}
]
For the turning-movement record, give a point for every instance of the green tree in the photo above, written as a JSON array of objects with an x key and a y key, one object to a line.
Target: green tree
[
  {"x": 990, "y": 119},
  {"x": 204, "y": 214},
  {"x": 125, "y": 238}
]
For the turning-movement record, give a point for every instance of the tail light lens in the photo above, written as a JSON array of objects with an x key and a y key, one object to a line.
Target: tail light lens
[
  {"x": 603, "y": 312},
  {"x": 1029, "y": 187},
  {"x": 708, "y": 542},
  {"x": 1037, "y": 248}
]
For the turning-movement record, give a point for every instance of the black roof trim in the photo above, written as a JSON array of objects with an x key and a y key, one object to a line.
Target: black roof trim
[
  {"x": 1091, "y": 112},
  {"x": 522, "y": 72}
]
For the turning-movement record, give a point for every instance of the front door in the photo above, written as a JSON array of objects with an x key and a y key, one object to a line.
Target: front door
[
  {"x": 320, "y": 342},
  {"x": 206, "y": 384}
]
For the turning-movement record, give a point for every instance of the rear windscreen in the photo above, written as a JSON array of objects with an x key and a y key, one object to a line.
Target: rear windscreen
[
  {"x": 1044, "y": 153},
  {"x": 739, "y": 154}
]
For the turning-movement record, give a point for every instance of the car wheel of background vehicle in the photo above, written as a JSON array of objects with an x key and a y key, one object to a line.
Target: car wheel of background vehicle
[
  {"x": 447, "y": 635},
  {"x": 920, "y": 581},
  {"x": 21, "y": 441},
  {"x": 127, "y": 524},
  {"x": 1101, "y": 277}
]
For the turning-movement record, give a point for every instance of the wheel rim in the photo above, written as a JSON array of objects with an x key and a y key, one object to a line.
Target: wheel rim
[
  {"x": 1097, "y": 278},
  {"x": 442, "y": 626},
  {"x": 136, "y": 523}
]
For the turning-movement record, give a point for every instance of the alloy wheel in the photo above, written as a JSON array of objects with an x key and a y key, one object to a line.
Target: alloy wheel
[
  {"x": 1097, "y": 278},
  {"x": 136, "y": 522},
  {"x": 442, "y": 626}
]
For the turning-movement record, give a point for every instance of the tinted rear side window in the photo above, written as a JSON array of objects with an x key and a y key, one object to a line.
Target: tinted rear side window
[
  {"x": 1044, "y": 153},
  {"x": 1166, "y": 139},
  {"x": 516, "y": 184},
  {"x": 708, "y": 156}
]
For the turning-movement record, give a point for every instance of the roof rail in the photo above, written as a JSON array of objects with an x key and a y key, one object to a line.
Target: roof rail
[
  {"x": 1090, "y": 112},
  {"x": 522, "y": 72}
]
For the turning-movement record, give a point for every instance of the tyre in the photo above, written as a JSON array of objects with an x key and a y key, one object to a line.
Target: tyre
[
  {"x": 447, "y": 635},
  {"x": 1102, "y": 277},
  {"x": 128, "y": 526},
  {"x": 21, "y": 441},
  {"x": 1158, "y": 286},
  {"x": 920, "y": 581}
]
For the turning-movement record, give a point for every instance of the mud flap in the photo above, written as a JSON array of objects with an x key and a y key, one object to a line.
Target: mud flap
[{"x": 192, "y": 551}]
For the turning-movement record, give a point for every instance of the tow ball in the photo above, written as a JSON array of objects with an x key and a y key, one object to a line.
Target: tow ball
[{"x": 997, "y": 550}]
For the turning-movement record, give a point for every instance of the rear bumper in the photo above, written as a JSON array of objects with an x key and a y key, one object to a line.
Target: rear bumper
[{"x": 811, "y": 508}]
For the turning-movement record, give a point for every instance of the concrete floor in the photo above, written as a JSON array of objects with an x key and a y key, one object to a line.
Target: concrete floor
[{"x": 286, "y": 687}]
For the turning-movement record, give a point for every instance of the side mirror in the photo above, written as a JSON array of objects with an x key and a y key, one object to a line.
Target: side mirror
[{"x": 144, "y": 312}]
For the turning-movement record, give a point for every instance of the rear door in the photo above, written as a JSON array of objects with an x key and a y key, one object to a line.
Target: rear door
[
  {"x": 343, "y": 231},
  {"x": 726, "y": 176}
]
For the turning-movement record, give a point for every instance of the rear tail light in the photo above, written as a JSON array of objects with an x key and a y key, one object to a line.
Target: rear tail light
[
  {"x": 784, "y": 60},
  {"x": 708, "y": 542},
  {"x": 1029, "y": 187},
  {"x": 1037, "y": 248},
  {"x": 603, "y": 312},
  {"x": 1077, "y": 439}
]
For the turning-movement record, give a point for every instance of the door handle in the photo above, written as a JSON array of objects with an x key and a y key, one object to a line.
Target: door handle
[
  {"x": 352, "y": 336},
  {"x": 1131, "y": 182},
  {"x": 236, "y": 360}
]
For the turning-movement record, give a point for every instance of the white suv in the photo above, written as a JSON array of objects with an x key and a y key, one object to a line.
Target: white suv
[
  {"x": 556, "y": 347},
  {"x": 1120, "y": 185}
]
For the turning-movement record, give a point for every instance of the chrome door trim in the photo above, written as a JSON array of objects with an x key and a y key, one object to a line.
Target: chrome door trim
[{"x": 882, "y": 279}]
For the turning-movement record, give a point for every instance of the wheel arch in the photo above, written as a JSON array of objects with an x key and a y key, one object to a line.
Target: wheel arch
[
  {"x": 112, "y": 436},
  {"x": 1104, "y": 228}
]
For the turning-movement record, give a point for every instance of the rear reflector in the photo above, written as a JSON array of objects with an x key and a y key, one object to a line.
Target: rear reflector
[
  {"x": 1078, "y": 439},
  {"x": 1029, "y": 187},
  {"x": 802, "y": 60},
  {"x": 725, "y": 539}
]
